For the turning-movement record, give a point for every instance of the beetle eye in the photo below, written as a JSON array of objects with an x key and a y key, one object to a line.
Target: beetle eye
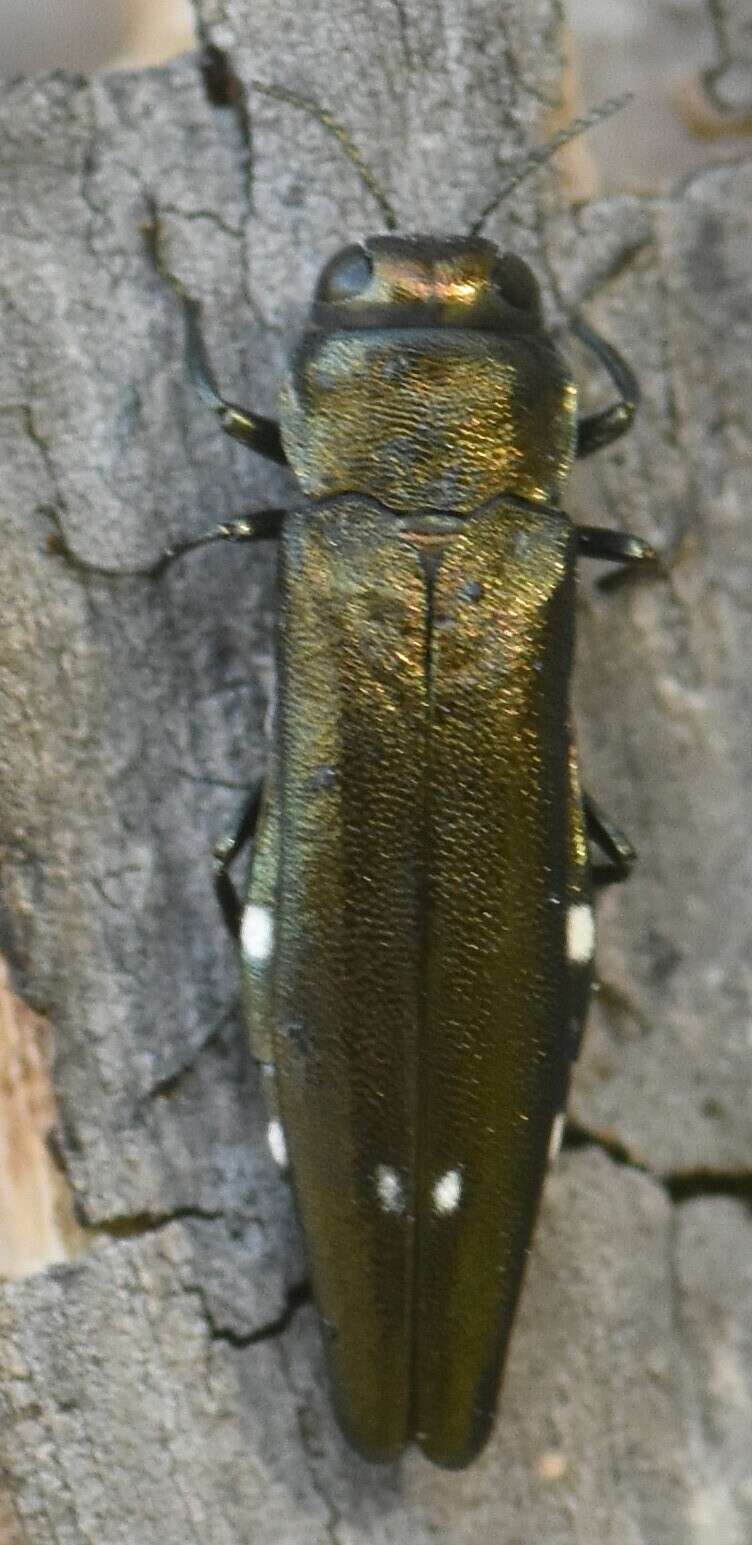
[
  {"x": 515, "y": 282},
  {"x": 346, "y": 277}
]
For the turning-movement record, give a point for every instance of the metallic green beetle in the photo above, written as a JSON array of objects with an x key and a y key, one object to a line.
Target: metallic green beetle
[{"x": 418, "y": 936}]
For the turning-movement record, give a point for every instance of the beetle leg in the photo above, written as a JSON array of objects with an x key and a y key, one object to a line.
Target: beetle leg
[
  {"x": 613, "y": 546},
  {"x": 258, "y": 526},
  {"x": 252, "y": 429},
  {"x": 226, "y": 851},
  {"x": 599, "y": 429},
  {"x": 618, "y": 849}
]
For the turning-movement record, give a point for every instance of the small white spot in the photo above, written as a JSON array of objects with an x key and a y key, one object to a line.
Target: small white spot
[
  {"x": 389, "y": 1188},
  {"x": 447, "y": 1192},
  {"x": 557, "y": 1136},
  {"x": 580, "y": 934},
  {"x": 256, "y": 934},
  {"x": 275, "y": 1137}
]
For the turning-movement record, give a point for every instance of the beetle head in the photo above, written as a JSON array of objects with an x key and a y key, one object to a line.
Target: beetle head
[{"x": 424, "y": 281}]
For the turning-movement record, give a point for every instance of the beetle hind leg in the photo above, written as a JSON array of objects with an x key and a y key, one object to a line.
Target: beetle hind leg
[
  {"x": 226, "y": 850},
  {"x": 619, "y": 853},
  {"x": 252, "y": 924}
]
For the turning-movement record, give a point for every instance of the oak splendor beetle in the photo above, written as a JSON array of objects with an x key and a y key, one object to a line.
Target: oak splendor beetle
[{"x": 417, "y": 940}]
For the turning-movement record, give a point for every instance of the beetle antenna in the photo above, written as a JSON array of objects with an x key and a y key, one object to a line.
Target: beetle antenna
[
  {"x": 539, "y": 157},
  {"x": 343, "y": 138}
]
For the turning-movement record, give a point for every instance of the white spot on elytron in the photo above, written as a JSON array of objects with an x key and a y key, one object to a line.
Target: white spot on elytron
[
  {"x": 275, "y": 1137},
  {"x": 256, "y": 934},
  {"x": 557, "y": 1136},
  {"x": 580, "y": 934},
  {"x": 447, "y": 1192},
  {"x": 389, "y": 1188}
]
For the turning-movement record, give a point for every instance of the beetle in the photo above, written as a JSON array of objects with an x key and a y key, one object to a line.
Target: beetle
[{"x": 417, "y": 937}]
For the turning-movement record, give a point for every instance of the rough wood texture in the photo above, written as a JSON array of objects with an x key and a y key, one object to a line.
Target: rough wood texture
[{"x": 165, "y": 1387}]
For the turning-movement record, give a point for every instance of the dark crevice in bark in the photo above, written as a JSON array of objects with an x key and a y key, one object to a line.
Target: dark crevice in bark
[
  {"x": 225, "y": 91},
  {"x": 149, "y": 229},
  {"x": 311, "y": 1448},
  {"x": 222, "y": 86},
  {"x": 689, "y": 1184},
  {"x": 404, "y": 32},
  {"x": 298, "y": 1295},
  {"x": 170, "y": 1083},
  {"x": 577, "y": 1136},
  {"x": 681, "y": 1185},
  {"x": 134, "y": 1225}
]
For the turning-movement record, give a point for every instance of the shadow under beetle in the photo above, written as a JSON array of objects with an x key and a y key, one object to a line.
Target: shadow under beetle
[{"x": 417, "y": 939}]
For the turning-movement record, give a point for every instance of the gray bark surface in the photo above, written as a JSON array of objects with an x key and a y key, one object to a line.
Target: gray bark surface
[{"x": 167, "y": 1386}]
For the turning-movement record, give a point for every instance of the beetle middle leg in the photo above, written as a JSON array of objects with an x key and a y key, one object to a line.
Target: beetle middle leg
[
  {"x": 633, "y": 555},
  {"x": 618, "y": 850},
  {"x": 614, "y": 546},
  {"x": 225, "y": 853},
  {"x": 257, "y": 526}
]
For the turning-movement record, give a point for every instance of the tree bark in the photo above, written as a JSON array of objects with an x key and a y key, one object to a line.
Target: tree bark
[{"x": 167, "y": 1385}]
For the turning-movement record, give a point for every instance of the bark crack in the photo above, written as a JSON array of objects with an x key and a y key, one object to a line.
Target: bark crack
[
  {"x": 135, "y": 1225},
  {"x": 224, "y": 88},
  {"x": 170, "y": 1083},
  {"x": 211, "y": 215},
  {"x": 680, "y": 1185},
  {"x": 404, "y": 32},
  {"x": 226, "y": 91},
  {"x": 32, "y": 431},
  {"x": 296, "y": 1298}
]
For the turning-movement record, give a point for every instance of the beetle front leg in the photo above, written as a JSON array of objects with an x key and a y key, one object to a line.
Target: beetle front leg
[
  {"x": 599, "y": 429},
  {"x": 225, "y": 853},
  {"x": 258, "y": 526},
  {"x": 252, "y": 429},
  {"x": 620, "y": 854}
]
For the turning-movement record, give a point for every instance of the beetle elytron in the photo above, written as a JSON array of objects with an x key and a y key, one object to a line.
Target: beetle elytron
[{"x": 418, "y": 937}]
